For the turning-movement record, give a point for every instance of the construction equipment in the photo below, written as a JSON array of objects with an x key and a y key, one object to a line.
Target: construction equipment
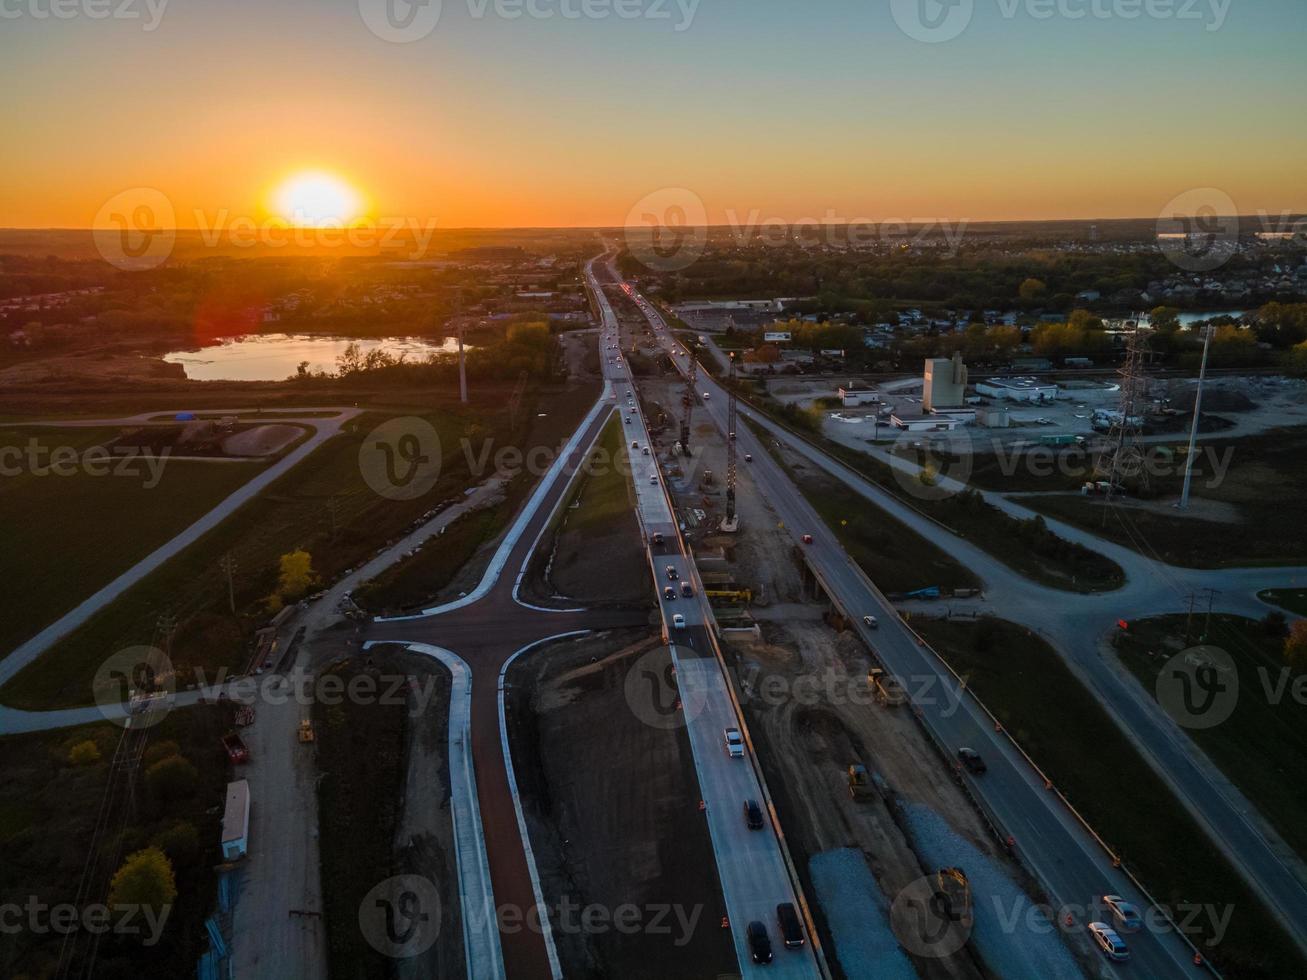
[
  {"x": 955, "y": 889},
  {"x": 731, "y": 522},
  {"x": 860, "y": 787},
  {"x": 687, "y": 404},
  {"x": 888, "y": 688},
  {"x": 742, "y": 596},
  {"x": 306, "y": 731}
]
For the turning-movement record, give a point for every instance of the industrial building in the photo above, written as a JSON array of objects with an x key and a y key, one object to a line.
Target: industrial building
[
  {"x": 945, "y": 383},
  {"x": 854, "y": 394},
  {"x": 925, "y": 423},
  {"x": 1018, "y": 389}
]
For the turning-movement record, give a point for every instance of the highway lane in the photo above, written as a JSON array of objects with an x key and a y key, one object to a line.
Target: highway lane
[
  {"x": 1061, "y": 853},
  {"x": 750, "y": 864}
]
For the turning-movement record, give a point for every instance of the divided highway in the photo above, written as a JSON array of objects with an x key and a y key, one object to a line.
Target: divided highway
[
  {"x": 750, "y": 864},
  {"x": 1065, "y": 858}
]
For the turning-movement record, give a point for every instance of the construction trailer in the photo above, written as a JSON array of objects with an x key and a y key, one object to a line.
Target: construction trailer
[{"x": 236, "y": 821}]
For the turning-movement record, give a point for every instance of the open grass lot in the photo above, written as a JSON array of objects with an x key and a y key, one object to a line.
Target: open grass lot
[
  {"x": 48, "y": 807},
  {"x": 420, "y": 578},
  {"x": 323, "y": 506},
  {"x": 1098, "y": 769},
  {"x": 1264, "y": 491},
  {"x": 90, "y": 528},
  {"x": 1262, "y": 746}
]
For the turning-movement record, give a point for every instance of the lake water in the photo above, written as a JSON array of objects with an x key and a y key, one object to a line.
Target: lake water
[{"x": 276, "y": 356}]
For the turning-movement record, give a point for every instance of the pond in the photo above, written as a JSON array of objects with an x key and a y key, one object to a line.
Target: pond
[{"x": 277, "y": 356}]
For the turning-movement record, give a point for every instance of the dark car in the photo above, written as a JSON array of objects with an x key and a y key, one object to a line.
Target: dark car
[
  {"x": 687, "y": 589},
  {"x": 759, "y": 942},
  {"x": 787, "y": 920},
  {"x": 972, "y": 760},
  {"x": 669, "y": 593},
  {"x": 753, "y": 815},
  {"x": 672, "y": 573}
]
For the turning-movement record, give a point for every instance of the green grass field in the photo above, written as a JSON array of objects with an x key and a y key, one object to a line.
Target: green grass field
[
  {"x": 1101, "y": 772},
  {"x": 67, "y": 536},
  {"x": 323, "y": 506},
  {"x": 1262, "y": 745}
]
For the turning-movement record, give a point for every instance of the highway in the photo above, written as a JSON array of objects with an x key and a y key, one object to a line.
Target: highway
[
  {"x": 750, "y": 864},
  {"x": 1047, "y": 838}
]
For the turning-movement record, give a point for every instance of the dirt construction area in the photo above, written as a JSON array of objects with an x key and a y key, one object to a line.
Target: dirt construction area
[{"x": 612, "y": 807}]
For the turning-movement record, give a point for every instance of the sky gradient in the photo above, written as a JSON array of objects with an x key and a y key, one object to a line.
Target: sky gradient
[{"x": 785, "y": 109}]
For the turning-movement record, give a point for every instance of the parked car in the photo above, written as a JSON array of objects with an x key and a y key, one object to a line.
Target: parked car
[
  {"x": 972, "y": 760},
  {"x": 791, "y": 927},
  {"x": 759, "y": 942},
  {"x": 1106, "y": 939},
  {"x": 734, "y": 743},
  {"x": 752, "y": 815},
  {"x": 1126, "y": 913}
]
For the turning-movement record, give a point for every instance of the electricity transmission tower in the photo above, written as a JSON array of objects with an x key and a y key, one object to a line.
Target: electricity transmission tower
[{"x": 1125, "y": 455}]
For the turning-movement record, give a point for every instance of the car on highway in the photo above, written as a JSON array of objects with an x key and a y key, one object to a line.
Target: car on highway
[
  {"x": 635, "y": 443},
  {"x": 807, "y": 539},
  {"x": 759, "y": 942},
  {"x": 653, "y": 478},
  {"x": 1106, "y": 939},
  {"x": 734, "y": 743},
  {"x": 748, "y": 457},
  {"x": 752, "y": 815},
  {"x": 672, "y": 573},
  {"x": 645, "y": 450},
  {"x": 871, "y": 621},
  {"x": 656, "y": 537},
  {"x": 669, "y": 593},
  {"x": 678, "y": 621},
  {"x": 628, "y": 420},
  {"x": 707, "y": 395},
  {"x": 791, "y": 929},
  {"x": 1126, "y": 913},
  {"x": 687, "y": 589},
  {"x": 972, "y": 760}
]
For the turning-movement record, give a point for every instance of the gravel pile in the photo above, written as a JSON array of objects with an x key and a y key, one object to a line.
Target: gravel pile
[
  {"x": 858, "y": 916},
  {"x": 1009, "y": 935}
]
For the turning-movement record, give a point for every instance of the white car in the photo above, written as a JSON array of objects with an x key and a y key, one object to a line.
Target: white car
[
  {"x": 1106, "y": 939},
  {"x": 1126, "y": 913},
  {"x": 678, "y": 621},
  {"x": 734, "y": 743},
  {"x": 653, "y": 478},
  {"x": 871, "y": 621}
]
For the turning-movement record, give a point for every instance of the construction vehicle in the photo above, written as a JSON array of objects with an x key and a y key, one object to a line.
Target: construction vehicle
[
  {"x": 742, "y": 596},
  {"x": 306, "y": 731},
  {"x": 860, "y": 787},
  {"x": 235, "y": 747},
  {"x": 731, "y": 522},
  {"x": 889, "y": 690},
  {"x": 952, "y": 884}
]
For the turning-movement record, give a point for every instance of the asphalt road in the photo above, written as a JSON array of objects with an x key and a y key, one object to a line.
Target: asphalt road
[{"x": 1046, "y": 837}]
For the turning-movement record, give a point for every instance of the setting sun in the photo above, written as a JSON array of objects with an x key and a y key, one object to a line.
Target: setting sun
[{"x": 313, "y": 200}]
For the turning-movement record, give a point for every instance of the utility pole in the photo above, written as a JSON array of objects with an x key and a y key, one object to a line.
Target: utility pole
[
  {"x": 1207, "y": 624},
  {"x": 1188, "y": 620},
  {"x": 228, "y": 565},
  {"x": 1193, "y": 430}
]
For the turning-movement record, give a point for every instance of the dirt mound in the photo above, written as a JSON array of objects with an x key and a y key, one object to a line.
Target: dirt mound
[
  {"x": 1214, "y": 400},
  {"x": 261, "y": 440}
]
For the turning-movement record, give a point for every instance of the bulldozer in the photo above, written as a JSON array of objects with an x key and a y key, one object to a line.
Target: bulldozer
[
  {"x": 953, "y": 885},
  {"x": 306, "y": 731}
]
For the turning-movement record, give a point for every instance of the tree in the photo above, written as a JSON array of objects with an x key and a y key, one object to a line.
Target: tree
[
  {"x": 84, "y": 753},
  {"x": 296, "y": 576},
  {"x": 1165, "y": 319},
  {"x": 181, "y": 842},
  {"x": 1083, "y": 321},
  {"x": 1295, "y": 644},
  {"x": 1032, "y": 289},
  {"x": 173, "y": 778},
  {"x": 1297, "y": 359},
  {"x": 145, "y": 880}
]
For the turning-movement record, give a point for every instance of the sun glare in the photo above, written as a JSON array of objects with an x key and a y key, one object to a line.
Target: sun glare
[{"x": 312, "y": 200}]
